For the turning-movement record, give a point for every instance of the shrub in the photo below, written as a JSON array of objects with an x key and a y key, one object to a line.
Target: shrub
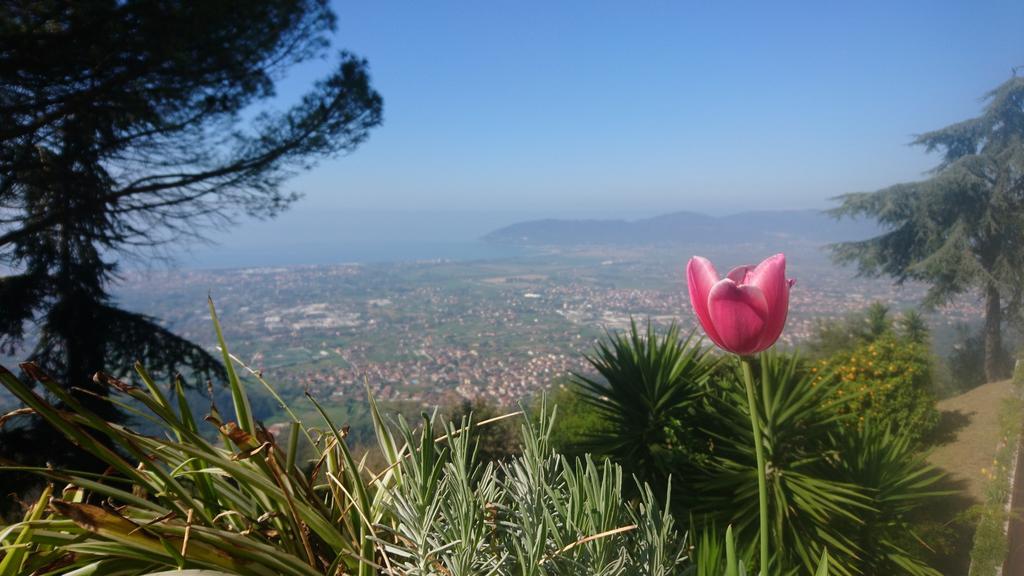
[{"x": 887, "y": 380}]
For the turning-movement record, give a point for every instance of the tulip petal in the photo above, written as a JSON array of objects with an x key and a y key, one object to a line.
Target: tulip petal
[
  {"x": 740, "y": 274},
  {"x": 770, "y": 277},
  {"x": 701, "y": 276},
  {"x": 739, "y": 314}
]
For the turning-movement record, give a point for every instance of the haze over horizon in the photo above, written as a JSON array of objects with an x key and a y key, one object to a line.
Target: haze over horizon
[{"x": 510, "y": 111}]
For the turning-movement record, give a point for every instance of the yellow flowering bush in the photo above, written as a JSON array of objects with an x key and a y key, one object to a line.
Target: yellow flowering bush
[{"x": 888, "y": 379}]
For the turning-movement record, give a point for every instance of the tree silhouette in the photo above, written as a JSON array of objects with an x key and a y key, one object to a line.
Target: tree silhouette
[
  {"x": 962, "y": 229},
  {"x": 126, "y": 125}
]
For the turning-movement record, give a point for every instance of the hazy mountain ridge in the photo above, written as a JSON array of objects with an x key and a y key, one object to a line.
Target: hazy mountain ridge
[{"x": 688, "y": 227}]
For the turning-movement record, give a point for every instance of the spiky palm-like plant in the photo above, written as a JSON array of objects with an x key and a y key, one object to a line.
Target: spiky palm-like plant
[
  {"x": 806, "y": 505},
  {"x": 889, "y": 467},
  {"x": 648, "y": 388},
  {"x": 816, "y": 502}
]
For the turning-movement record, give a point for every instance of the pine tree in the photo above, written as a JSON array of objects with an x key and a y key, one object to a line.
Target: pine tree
[
  {"x": 128, "y": 125},
  {"x": 962, "y": 229}
]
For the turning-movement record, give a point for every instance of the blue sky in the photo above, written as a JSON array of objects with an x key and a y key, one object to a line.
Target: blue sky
[{"x": 654, "y": 106}]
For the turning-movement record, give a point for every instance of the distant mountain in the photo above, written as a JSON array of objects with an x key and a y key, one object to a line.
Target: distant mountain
[{"x": 688, "y": 227}]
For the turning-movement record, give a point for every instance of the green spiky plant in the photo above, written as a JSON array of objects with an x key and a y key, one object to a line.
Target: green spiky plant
[
  {"x": 648, "y": 389},
  {"x": 243, "y": 505},
  {"x": 824, "y": 488},
  {"x": 809, "y": 509},
  {"x": 892, "y": 471}
]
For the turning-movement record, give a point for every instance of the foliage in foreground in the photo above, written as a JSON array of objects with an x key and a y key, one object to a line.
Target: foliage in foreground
[
  {"x": 833, "y": 481},
  {"x": 180, "y": 504},
  {"x": 434, "y": 511},
  {"x": 180, "y": 501}
]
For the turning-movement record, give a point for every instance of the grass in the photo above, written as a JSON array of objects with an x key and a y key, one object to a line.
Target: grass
[
  {"x": 969, "y": 433},
  {"x": 967, "y": 441}
]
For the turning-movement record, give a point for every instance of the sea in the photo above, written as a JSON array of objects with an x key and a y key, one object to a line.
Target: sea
[{"x": 311, "y": 236}]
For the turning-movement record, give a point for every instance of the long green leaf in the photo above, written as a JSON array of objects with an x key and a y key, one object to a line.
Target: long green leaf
[{"x": 243, "y": 412}]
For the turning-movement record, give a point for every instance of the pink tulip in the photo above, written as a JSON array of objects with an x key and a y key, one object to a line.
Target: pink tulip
[{"x": 743, "y": 313}]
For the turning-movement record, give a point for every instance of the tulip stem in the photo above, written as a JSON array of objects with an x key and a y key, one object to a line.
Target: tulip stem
[{"x": 762, "y": 487}]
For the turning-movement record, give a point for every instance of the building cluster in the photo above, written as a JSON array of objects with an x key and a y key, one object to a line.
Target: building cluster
[
  {"x": 421, "y": 331},
  {"x": 434, "y": 373}
]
